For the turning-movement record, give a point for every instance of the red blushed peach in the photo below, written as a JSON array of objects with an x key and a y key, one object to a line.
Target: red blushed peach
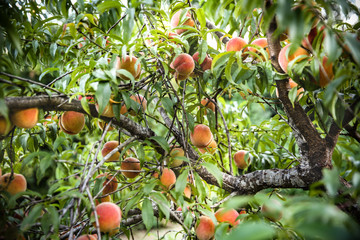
[
  {"x": 109, "y": 217},
  {"x": 208, "y": 104},
  {"x": 175, "y": 21},
  {"x": 26, "y": 118},
  {"x": 5, "y": 126},
  {"x": 110, "y": 183},
  {"x": 326, "y": 72},
  {"x": 227, "y": 216},
  {"x": 103, "y": 199},
  {"x": 205, "y": 230},
  {"x": 210, "y": 149},
  {"x": 130, "y": 164},
  {"x": 262, "y": 43},
  {"x": 201, "y": 137},
  {"x": 236, "y": 44},
  {"x": 206, "y": 64},
  {"x": 107, "y": 148},
  {"x": 168, "y": 178},
  {"x": 239, "y": 159},
  {"x": 174, "y": 153},
  {"x": 184, "y": 65},
  {"x": 285, "y": 57},
  {"x": 140, "y": 100},
  {"x": 72, "y": 122},
  {"x": 129, "y": 64},
  {"x": 16, "y": 185},
  {"x": 87, "y": 237}
]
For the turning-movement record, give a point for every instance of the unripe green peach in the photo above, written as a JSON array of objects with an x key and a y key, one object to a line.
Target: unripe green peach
[
  {"x": 26, "y": 118},
  {"x": 174, "y": 153}
]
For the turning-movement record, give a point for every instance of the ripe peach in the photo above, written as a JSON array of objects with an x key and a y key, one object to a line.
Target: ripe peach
[
  {"x": 107, "y": 148},
  {"x": 109, "y": 216},
  {"x": 175, "y": 21},
  {"x": 261, "y": 42},
  {"x": 171, "y": 35},
  {"x": 205, "y": 230},
  {"x": 239, "y": 159},
  {"x": 0, "y": 172},
  {"x": 103, "y": 199},
  {"x": 5, "y": 126},
  {"x": 130, "y": 164},
  {"x": 87, "y": 237},
  {"x": 187, "y": 192},
  {"x": 26, "y": 118},
  {"x": 201, "y": 137},
  {"x": 140, "y": 100},
  {"x": 72, "y": 122},
  {"x": 110, "y": 187},
  {"x": 184, "y": 65},
  {"x": 236, "y": 44},
  {"x": 108, "y": 110},
  {"x": 128, "y": 64},
  {"x": 272, "y": 210},
  {"x": 13, "y": 186},
  {"x": 168, "y": 178},
  {"x": 227, "y": 216},
  {"x": 176, "y": 152},
  {"x": 326, "y": 72},
  {"x": 206, "y": 64},
  {"x": 307, "y": 41},
  {"x": 285, "y": 57},
  {"x": 211, "y": 148},
  {"x": 208, "y": 104}
]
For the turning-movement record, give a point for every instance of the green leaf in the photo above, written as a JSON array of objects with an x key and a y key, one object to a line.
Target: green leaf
[
  {"x": 331, "y": 181},
  {"x": 106, "y": 5},
  {"x": 214, "y": 170},
  {"x": 32, "y": 217},
  {"x": 168, "y": 105},
  {"x": 181, "y": 181},
  {"x": 53, "y": 48},
  {"x": 162, "y": 202},
  {"x": 85, "y": 105},
  {"x": 201, "y": 17},
  {"x": 102, "y": 95},
  {"x": 147, "y": 213},
  {"x": 252, "y": 230},
  {"x": 162, "y": 142}
]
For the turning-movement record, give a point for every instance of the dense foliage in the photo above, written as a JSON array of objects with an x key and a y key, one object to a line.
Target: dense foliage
[{"x": 302, "y": 143}]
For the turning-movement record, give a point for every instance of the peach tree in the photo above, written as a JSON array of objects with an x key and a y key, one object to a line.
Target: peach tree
[{"x": 234, "y": 119}]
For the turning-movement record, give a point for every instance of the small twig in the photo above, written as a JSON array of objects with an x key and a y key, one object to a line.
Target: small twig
[
  {"x": 117, "y": 22},
  {"x": 58, "y": 78}
]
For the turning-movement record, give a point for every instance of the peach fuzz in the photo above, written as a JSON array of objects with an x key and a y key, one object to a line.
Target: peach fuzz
[
  {"x": 110, "y": 183},
  {"x": 239, "y": 159},
  {"x": 87, "y": 237},
  {"x": 168, "y": 178},
  {"x": 5, "y": 126},
  {"x": 26, "y": 118},
  {"x": 72, "y": 122},
  {"x": 208, "y": 104},
  {"x": 210, "y": 149},
  {"x": 184, "y": 65},
  {"x": 107, "y": 148},
  {"x": 262, "y": 43},
  {"x": 285, "y": 58},
  {"x": 109, "y": 217},
  {"x": 16, "y": 185},
  {"x": 176, "y": 152},
  {"x": 140, "y": 100},
  {"x": 236, "y": 44},
  {"x": 205, "y": 230},
  {"x": 130, "y": 164},
  {"x": 228, "y": 216},
  {"x": 326, "y": 72},
  {"x": 175, "y": 21},
  {"x": 206, "y": 64},
  {"x": 128, "y": 63},
  {"x": 201, "y": 137}
]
